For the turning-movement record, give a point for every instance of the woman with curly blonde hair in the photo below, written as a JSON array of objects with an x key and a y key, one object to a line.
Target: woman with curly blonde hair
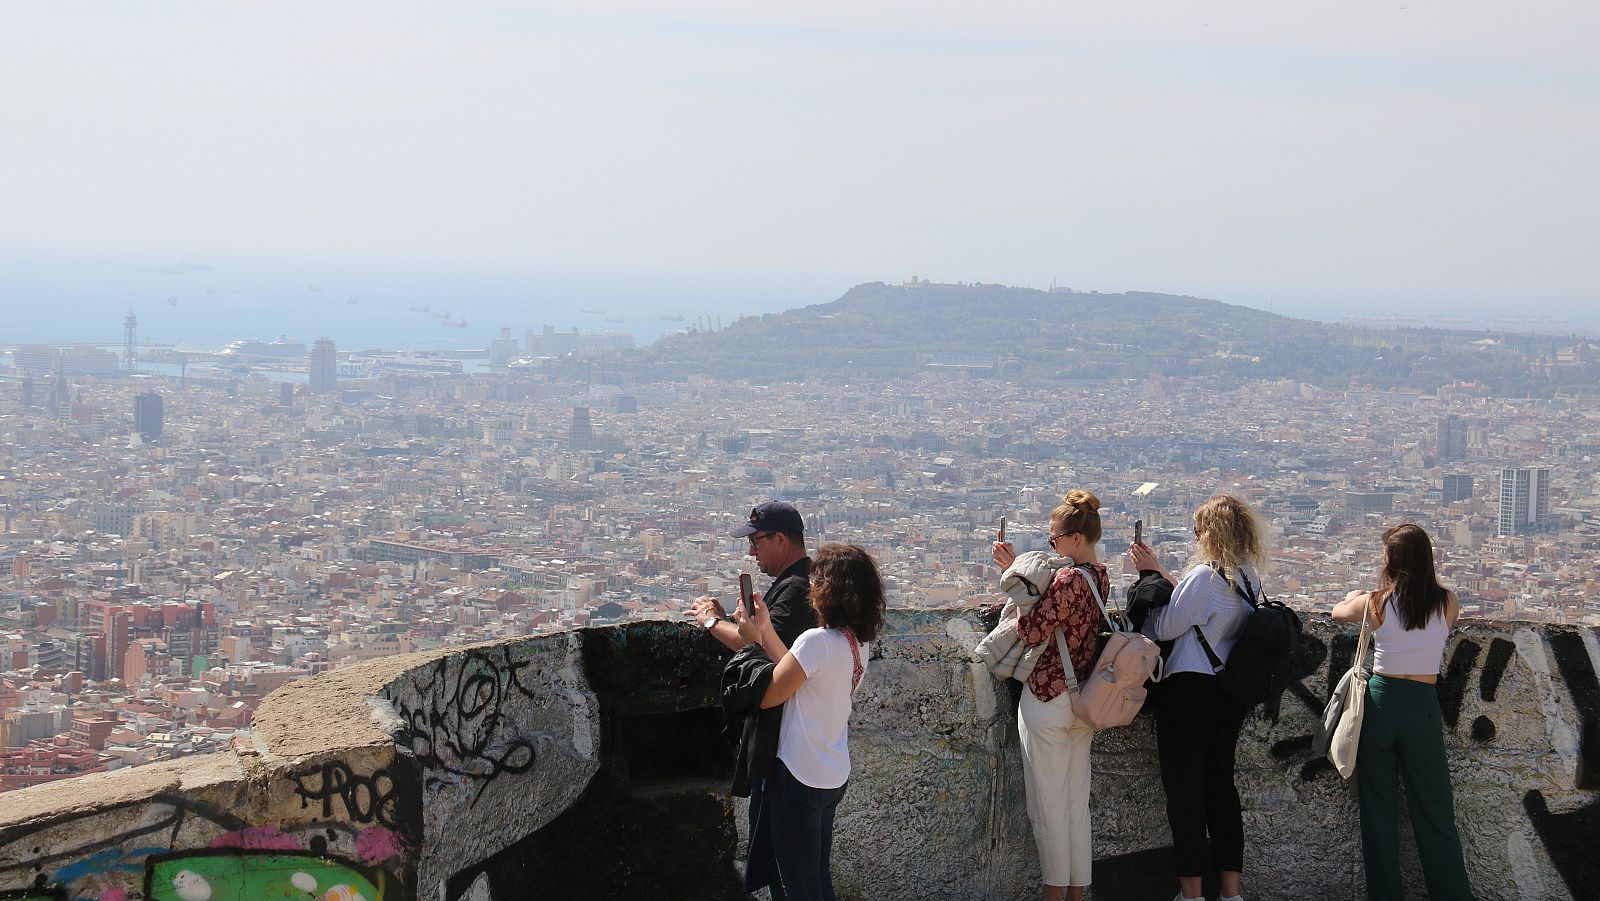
[{"x": 1197, "y": 721}]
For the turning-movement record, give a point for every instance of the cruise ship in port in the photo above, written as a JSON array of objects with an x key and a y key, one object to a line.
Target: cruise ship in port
[{"x": 280, "y": 351}]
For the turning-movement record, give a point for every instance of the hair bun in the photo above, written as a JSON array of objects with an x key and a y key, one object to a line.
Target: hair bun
[{"x": 1083, "y": 500}]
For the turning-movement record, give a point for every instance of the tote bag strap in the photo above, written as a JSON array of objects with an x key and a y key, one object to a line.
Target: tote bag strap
[
  {"x": 856, "y": 669},
  {"x": 1365, "y": 640}
]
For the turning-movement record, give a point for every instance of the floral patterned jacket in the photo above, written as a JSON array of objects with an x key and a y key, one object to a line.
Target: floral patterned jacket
[{"x": 1069, "y": 606}]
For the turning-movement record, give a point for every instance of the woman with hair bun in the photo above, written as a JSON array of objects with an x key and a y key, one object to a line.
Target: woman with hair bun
[
  {"x": 1055, "y": 743},
  {"x": 1197, "y": 721}
]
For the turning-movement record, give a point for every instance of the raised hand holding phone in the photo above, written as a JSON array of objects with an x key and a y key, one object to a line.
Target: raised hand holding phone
[
  {"x": 746, "y": 590},
  {"x": 753, "y": 619}
]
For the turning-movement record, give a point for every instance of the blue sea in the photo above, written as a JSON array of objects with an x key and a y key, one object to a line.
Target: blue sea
[{"x": 205, "y": 304}]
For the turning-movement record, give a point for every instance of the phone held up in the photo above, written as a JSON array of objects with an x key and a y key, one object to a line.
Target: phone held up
[
  {"x": 1002, "y": 534},
  {"x": 745, "y": 590},
  {"x": 1138, "y": 531}
]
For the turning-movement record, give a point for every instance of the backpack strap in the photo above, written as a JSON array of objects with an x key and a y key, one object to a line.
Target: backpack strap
[
  {"x": 1061, "y": 641},
  {"x": 1066, "y": 663},
  {"x": 1123, "y": 626},
  {"x": 1088, "y": 576},
  {"x": 1216, "y": 662},
  {"x": 1247, "y": 594}
]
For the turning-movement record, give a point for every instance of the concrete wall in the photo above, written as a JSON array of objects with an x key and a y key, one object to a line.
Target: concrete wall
[{"x": 592, "y": 765}]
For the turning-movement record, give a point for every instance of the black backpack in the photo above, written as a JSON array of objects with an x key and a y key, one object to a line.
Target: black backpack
[{"x": 1257, "y": 670}]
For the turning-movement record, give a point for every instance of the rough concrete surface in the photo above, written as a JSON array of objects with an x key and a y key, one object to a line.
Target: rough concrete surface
[
  {"x": 506, "y": 736},
  {"x": 580, "y": 763}
]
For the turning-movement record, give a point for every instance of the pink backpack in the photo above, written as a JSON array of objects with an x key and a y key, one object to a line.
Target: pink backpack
[{"x": 1115, "y": 690}]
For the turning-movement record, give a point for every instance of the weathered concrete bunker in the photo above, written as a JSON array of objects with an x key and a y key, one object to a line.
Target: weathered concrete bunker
[{"x": 592, "y": 764}]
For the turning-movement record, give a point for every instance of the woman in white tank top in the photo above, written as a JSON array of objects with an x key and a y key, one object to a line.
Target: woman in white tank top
[{"x": 1402, "y": 734}]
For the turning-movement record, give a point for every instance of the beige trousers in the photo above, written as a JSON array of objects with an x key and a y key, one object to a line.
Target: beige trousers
[{"x": 1055, "y": 769}]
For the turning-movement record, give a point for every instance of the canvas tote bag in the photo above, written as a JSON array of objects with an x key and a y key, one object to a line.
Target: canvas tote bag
[{"x": 1341, "y": 721}]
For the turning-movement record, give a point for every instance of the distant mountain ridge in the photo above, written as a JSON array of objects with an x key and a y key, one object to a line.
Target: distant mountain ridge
[{"x": 878, "y": 330}]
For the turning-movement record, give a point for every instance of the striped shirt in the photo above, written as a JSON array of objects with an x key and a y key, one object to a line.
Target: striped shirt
[{"x": 1201, "y": 598}]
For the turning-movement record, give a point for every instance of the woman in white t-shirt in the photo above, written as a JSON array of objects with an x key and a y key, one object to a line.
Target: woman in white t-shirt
[{"x": 815, "y": 681}]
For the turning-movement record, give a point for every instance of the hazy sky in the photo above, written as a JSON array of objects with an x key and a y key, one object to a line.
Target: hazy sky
[{"x": 1301, "y": 157}]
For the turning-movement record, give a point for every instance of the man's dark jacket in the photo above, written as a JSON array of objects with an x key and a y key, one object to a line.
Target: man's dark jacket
[{"x": 789, "y": 604}]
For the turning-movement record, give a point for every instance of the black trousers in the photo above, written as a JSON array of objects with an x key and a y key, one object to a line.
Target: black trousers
[{"x": 1197, "y": 734}]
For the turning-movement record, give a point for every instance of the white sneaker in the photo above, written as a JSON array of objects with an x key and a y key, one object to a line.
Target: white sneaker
[{"x": 1231, "y": 898}]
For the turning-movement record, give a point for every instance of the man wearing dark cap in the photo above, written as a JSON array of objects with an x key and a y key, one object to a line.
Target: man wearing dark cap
[
  {"x": 777, "y": 538},
  {"x": 778, "y": 542}
]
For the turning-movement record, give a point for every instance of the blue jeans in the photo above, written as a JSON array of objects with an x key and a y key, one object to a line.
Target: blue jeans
[{"x": 802, "y": 834}]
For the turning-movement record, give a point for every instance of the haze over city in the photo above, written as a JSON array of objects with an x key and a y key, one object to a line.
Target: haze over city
[
  {"x": 1314, "y": 160},
  {"x": 392, "y": 396}
]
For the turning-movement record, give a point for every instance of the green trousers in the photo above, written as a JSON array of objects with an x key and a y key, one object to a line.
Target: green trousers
[{"x": 1402, "y": 734}]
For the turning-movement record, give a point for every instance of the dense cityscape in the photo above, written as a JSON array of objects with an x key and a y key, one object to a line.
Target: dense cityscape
[{"x": 179, "y": 540}]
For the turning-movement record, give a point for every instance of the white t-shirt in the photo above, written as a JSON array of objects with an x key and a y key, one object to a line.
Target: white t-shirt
[{"x": 813, "y": 742}]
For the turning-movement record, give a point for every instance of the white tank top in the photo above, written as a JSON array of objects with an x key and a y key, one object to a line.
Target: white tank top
[{"x": 1417, "y": 652}]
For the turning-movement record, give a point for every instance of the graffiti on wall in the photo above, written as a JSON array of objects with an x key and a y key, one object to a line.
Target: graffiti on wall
[
  {"x": 107, "y": 854},
  {"x": 1470, "y": 669},
  {"x": 234, "y": 876},
  {"x": 1569, "y": 837},
  {"x": 456, "y": 720},
  {"x": 1317, "y": 661},
  {"x": 363, "y": 798}
]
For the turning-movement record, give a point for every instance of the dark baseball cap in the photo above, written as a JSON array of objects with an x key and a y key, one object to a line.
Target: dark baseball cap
[{"x": 772, "y": 516}]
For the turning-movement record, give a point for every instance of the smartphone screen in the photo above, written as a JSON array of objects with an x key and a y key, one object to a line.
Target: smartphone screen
[
  {"x": 1002, "y": 537},
  {"x": 1138, "y": 531},
  {"x": 745, "y": 590}
]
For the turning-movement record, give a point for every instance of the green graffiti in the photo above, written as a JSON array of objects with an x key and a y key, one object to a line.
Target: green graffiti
[{"x": 259, "y": 877}]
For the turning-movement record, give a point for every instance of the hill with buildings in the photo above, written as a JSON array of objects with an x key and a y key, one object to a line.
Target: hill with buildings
[{"x": 881, "y": 331}]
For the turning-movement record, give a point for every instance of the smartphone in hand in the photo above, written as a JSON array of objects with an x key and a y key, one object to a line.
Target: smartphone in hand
[
  {"x": 746, "y": 589},
  {"x": 1138, "y": 531},
  {"x": 1002, "y": 534}
]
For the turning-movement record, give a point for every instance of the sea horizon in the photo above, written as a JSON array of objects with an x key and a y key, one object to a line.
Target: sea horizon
[
  {"x": 200, "y": 305},
  {"x": 203, "y": 306}
]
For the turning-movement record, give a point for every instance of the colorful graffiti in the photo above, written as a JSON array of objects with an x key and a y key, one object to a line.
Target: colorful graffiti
[
  {"x": 113, "y": 861},
  {"x": 232, "y": 876}
]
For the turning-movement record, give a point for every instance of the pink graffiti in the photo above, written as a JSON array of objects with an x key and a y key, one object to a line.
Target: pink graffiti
[
  {"x": 114, "y": 894},
  {"x": 258, "y": 838},
  {"x": 376, "y": 843}
]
